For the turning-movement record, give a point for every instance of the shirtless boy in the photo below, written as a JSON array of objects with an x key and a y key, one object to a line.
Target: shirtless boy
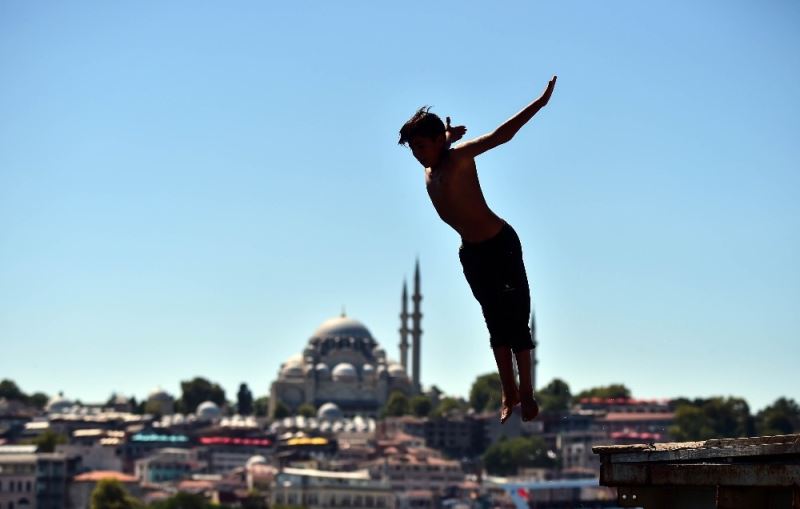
[{"x": 490, "y": 251}]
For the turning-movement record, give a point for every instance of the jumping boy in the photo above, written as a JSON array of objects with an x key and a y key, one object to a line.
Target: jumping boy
[{"x": 490, "y": 252}]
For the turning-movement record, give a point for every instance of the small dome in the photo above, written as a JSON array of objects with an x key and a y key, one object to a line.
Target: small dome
[
  {"x": 293, "y": 367},
  {"x": 329, "y": 412},
  {"x": 159, "y": 394},
  {"x": 58, "y": 404},
  {"x": 322, "y": 369},
  {"x": 208, "y": 410},
  {"x": 344, "y": 372},
  {"x": 256, "y": 460},
  {"x": 368, "y": 369},
  {"x": 397, "y": 370}
]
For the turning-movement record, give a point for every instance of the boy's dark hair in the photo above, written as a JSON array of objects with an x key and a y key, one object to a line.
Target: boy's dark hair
[{"x": 423, "y": 123}]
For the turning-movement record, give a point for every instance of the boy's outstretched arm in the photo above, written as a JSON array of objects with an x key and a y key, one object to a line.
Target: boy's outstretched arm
[{"x": 509, "y": 128}]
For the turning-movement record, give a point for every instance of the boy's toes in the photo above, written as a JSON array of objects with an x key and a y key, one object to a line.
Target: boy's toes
[{"x": 505, "y": 413}]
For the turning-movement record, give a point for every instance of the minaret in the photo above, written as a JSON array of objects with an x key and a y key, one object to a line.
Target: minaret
[
  {"x": 533, "y": 351},
  {"x": 404, "y": 328},
  {"x": 416, "y": 331}
]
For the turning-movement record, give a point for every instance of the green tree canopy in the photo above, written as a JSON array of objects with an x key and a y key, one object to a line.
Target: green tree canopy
[
  {"x": 780, "y": 418},
  {"x": 261, "y": 406},
  {"x": 716, "y": 417},
  {"x": 10, "y": 391},
  {"x": 39, "y": 400},
  {"x": 244, "y": 400},
  {"x": 554, "y": 397},
  {"x": 47, "y": 441},
  {"x": 199, "y": 390},
  {"x": 281, "y": 410},
  {"x": 486, "y": 392},
  {"x": 185, "y": 501},
  {"x": 506, "y": 456},
  {"x": 397, "y": 404},
  {"x": 448, "y": 405},
  {"x": 607, "y": 391},
  {"x": 111, "y": 494},
  {"x": 306, "y": 410},
  {"x": 420, "y": 405}
]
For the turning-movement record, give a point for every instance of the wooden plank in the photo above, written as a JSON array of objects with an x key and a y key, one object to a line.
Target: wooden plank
[
  {"x": 775, "y": 451},
  {"x": 707, "y": 444},
  {"x": 664, "y": 474}
]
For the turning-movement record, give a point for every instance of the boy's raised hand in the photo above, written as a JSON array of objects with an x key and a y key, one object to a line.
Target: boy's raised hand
[
  {"x": 548, "y": 91},
  {"x": 453, "y": 133}
]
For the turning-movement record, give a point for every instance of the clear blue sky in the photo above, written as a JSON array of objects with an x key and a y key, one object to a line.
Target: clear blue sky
[{"x": 190, "y": 188}]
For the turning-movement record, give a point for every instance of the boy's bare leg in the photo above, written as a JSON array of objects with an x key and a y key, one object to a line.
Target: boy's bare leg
[
  {"x": 530, "y": 409},
  {"x": 505, "y": 366}
]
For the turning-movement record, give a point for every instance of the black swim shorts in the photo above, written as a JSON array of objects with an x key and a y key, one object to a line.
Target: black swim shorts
[{"x": 496, "y": 274}]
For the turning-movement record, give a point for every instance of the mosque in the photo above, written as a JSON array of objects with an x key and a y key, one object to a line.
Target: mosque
[
  {"x": 343, "y": 370},
  {"x": 342, "y": 364}
]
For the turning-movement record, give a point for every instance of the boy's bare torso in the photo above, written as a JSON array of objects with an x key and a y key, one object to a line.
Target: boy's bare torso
[{"x": 456, "y": 194}]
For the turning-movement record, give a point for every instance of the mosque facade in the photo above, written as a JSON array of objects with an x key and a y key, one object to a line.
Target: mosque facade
[{"x": 344, "y": 365}]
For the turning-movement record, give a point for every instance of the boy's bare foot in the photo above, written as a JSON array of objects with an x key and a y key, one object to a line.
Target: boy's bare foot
[
  {"x": 530, "y": 408},
  {"x": 507, "y": 406}
]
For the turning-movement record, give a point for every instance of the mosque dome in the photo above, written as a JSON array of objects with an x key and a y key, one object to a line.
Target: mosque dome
[
  {"x": 342, "y": 326},
  {"x": 208, "y": 410},
  {"x": 159, "y": 394},
  {"x": 58, "y": 404},
  {"x": 368, "y": 370},
  {"x": 344, "y": 372},
  {"x": 329, "y": 412}
]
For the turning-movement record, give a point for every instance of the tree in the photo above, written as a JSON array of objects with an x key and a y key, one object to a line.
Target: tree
[
  {"x": 712, "y": 418},
  {"x": 448, "y": 405},
  {"x": 554, "y": 397},
  {"x": 420, "y": 405},
  {"x": 261, "y": 406},
  {"x": 306, "y": 410},
  {"x": 39, "y": 400},
  {"x": 10, "y": 391},
  {"x": 397, "y": 404},
  {"x": 254, "y": 500},
  {"x": 182, "y": 500},
  {"x": 47, "y": 441},
  {"x": 780, "y": 418},
  {"x": 605, "y": 392},
  {"x": 691, "y": 423},
  {"x": 486, "y": 392},
  {"x": 244, "y": 400},
  {"x": 110, "y": 494},
  {"x": 281, "y": 411},
  {"x": 507, "y": 456},
  {"x": 199, "y": 390}
]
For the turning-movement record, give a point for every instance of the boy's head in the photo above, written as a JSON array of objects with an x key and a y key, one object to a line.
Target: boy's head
[{"x": 424, "y": 134}]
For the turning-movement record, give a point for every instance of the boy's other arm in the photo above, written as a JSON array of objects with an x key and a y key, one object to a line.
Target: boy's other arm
[{"x": 508, "y": 129}]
